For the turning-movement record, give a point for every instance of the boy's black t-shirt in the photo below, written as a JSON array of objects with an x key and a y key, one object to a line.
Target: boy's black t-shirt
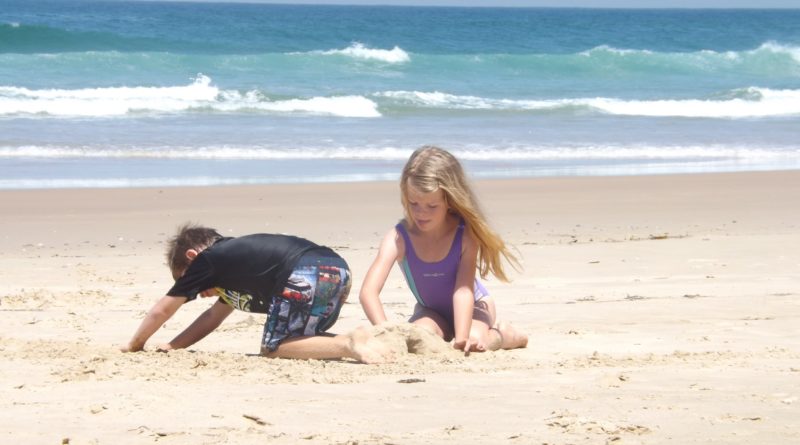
[{"x": 258, "y": 265}]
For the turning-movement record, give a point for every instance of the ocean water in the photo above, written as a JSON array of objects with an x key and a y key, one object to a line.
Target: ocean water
[{"x": 122, "y": 93}]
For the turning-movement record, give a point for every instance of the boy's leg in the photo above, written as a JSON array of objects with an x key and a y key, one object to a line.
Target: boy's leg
[
  {"x": 301, "y": 315},
  {"x": 359, "y": 345}
]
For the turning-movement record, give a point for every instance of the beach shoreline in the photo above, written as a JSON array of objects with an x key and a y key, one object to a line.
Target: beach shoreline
[{"x": 660, "y": 308}]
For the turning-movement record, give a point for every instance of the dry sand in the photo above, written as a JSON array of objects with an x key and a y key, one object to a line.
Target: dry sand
[{"x": 660, "y": 309}]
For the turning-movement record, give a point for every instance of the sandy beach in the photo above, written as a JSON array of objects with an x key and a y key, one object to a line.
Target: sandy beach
[{"x": 660, "y": 309}]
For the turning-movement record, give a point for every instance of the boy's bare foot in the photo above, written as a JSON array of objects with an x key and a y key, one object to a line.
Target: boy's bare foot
[
  {"x": 365, "y": 348},
  {"x": 511, "y": 338}
]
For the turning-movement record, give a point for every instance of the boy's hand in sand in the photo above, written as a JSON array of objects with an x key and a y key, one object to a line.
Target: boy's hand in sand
[{"x": 129, "y": 348}]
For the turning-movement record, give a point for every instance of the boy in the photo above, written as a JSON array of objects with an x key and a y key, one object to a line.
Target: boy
[{"x": 299, "y": 284}]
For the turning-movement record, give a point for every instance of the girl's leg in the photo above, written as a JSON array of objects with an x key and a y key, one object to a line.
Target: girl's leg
[
  {"x": 511, "y": 338},
  {"x": 492, "y": 334},
  {"x": 431, "y": 321},
  {"x": 484, "y": 327}
]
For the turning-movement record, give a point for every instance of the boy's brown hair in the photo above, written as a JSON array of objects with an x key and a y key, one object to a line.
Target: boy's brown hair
[{"x": 189, "y": 236}]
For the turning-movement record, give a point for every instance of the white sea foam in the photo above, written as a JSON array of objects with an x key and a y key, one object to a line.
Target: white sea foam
[
  {"x": 756, "y": 102},
  {"x": 636, "y": 153},
  {"x": 610, "y": 49},
  {"x": 334, "y": 164},
  {"x": 778, "y": 48},
  {"x": 765, "y": 103},
  {"x": 480, "y": 154},
  {"x": 345, "y": 106},
  {"x": 359, "y": 51},
  {"x": 767, "y": 47},
  {"x": 189, "y": 181},
  {"x": 209, "y": 152},
  {"x": 106, "y": 101},
  {"x": 437, "y": 99},
  {"x": 199, "y": 95}
]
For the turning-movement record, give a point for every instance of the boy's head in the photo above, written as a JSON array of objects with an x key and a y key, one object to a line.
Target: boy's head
[{"x": 186, "y": 244}]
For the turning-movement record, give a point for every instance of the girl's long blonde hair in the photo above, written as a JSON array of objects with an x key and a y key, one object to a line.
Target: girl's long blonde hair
[{"x": 431, "y": 168}]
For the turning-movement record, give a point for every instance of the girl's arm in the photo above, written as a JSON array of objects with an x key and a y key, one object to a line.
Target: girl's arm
[
  {"x": 464, "y": 295},
  {"x": 162, "y": 311},
  {"x": 202, "y": 326},
  {"x": 376, "y": 278}
]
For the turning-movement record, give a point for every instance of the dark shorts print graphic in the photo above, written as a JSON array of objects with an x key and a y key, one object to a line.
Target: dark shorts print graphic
[{"x": 310, "y": 302}]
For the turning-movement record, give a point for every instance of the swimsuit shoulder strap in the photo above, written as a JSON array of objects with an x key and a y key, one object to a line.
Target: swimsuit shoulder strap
[{"x": 407, "y": 240}]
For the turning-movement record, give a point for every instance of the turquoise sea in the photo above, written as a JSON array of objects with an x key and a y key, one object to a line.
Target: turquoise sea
[{"x": 127, "y": 93}]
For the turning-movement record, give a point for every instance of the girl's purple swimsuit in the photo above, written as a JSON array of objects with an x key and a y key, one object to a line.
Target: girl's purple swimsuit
[{"x": 433, "y": 284}]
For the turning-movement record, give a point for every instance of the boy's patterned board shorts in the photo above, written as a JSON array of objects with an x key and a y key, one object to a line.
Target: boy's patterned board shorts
[{"x": 310, "y": 302}]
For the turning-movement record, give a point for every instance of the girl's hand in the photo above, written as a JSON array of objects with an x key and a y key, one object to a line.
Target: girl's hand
[
  {"x": 164, "y": 347},
  {"x": 477, "y": 345},
  {"x": 472, "y": 344}
]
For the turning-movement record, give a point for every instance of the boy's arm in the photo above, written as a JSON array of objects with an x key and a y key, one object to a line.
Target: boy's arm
[
  {"x": 202, "y": 326},
  {"x": 369, "y": 296},
  {"x": 162, "y": 311}
]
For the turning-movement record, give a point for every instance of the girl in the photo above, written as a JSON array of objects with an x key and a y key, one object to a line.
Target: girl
[{"x": 441, "y": 242}]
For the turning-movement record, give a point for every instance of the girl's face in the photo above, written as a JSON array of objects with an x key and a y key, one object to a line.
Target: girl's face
[{"x": 428, "y": 210}]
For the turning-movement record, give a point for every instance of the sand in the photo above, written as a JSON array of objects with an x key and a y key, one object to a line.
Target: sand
[{"x": 660, "y": 309}]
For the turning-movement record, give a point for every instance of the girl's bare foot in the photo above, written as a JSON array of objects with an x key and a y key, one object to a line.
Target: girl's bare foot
[
  {"x": 366, "y": 348},
  {"x": 510, "y": 337}
]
